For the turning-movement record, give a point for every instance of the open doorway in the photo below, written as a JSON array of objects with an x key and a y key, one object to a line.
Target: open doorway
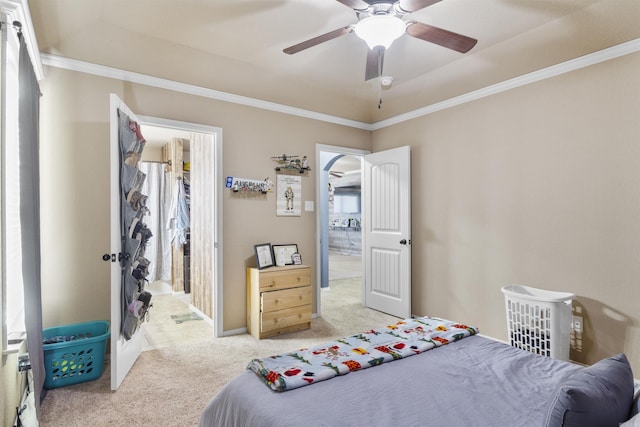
[
  {"x": 183, "y": 311},
  {"x": 385, "y": 227},
  {"x": 338, "y": 224}
]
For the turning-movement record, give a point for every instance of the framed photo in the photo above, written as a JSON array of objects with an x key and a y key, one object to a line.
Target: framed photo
[
  {"x": 284, "y": 251},
  {"x": 296, "y": 258},
  {"x": 264, "y": 256}
]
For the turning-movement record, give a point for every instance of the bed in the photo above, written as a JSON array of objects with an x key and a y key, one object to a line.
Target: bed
[{"x": 474, "y": 381}]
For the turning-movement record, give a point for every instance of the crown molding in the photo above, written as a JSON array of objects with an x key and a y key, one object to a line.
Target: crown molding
[
  {"x": 536, "y": 76},
  {"x": 18, "y": 10},
  {"x": 543, "y": 74},
  {"x": 143, "y": 79}
]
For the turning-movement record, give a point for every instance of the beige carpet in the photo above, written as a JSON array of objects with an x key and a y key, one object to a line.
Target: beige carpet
[
  {"x": 170, "y": 386},
  {"x": 172, "y": 323}
]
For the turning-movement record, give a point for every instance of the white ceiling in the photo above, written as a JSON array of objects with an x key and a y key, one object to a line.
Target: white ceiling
[
  {"x": 235, "y": 46},
  {"x": 347, "y": 164}
]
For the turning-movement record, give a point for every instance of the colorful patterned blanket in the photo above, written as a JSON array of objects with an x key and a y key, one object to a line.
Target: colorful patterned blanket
[{"x": 371, "y": 348}]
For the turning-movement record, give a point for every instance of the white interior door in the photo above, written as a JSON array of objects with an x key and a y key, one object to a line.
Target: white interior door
[
  {"x": 123, "y": 352},
  {"x": 387, "y": 231}
]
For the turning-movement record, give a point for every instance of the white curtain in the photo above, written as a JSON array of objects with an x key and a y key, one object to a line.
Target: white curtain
[
  {"x": 14, "y": 314},
  {"x": 158, "y": 190}
]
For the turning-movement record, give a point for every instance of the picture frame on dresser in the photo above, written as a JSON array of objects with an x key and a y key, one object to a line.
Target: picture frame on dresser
[
  {"x": 264, "y": 255},
  {"x": 296, "y": 259},
  {"x": 286, "y": 251}
]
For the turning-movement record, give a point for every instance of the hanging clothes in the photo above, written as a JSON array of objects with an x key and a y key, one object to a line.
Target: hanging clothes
[
  {"x": 158, "y": 188},
  {"x": 178, "y": 221}
]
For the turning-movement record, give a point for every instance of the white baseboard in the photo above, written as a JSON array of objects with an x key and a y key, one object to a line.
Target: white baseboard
[{"x": 238, "y": 331}]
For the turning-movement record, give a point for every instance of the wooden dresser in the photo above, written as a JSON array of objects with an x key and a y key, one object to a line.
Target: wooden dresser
[{"x": 278, "y": 300}]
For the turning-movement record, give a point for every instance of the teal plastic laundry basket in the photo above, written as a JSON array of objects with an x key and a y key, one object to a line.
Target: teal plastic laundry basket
[{"x": 74, "y": 353}]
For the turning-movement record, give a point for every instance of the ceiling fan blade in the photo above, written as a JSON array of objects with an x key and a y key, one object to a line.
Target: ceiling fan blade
[
  {"x": 375, "y": 60},
  {"x": 317, "y": 40},
  {"x": 355, "y": 4},
  {"x": 413, "y": 5},
  {"x": 444, "y": 38}
]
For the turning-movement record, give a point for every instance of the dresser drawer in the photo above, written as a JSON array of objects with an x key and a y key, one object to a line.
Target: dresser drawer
[
  {"x": 278, "y": 320},
  {"x": 285, "y": 298},
  {"x": 273, "y": 280}
]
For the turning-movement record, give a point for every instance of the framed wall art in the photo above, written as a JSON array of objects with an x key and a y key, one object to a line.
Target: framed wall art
[{"x": 289, "y": 195}]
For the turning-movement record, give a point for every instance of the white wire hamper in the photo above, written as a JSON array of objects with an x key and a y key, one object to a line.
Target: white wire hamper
[{"x": 539, "y": 321}]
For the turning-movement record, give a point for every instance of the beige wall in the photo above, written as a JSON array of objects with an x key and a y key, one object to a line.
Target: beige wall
[
  {"x": 75, "y": 186},
  {"x": 539, "y": 186},
  {"x": 535, "y": 186}
]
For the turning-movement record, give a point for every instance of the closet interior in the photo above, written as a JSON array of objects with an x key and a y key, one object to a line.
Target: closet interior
[
  {"x": 187, "y": 159},
  {"x": 176, "y": 155}
]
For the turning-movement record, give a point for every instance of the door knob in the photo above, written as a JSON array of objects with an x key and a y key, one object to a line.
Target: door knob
[{"x": 403, "y": 241}]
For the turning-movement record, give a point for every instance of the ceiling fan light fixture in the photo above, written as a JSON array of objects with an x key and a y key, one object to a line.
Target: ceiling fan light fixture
[{"x": 380, "y": 30}]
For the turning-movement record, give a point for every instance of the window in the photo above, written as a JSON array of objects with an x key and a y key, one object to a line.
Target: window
[{"x": 347, "y": 202}]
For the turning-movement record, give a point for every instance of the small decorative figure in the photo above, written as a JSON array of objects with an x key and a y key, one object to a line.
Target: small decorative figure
[
  {"x": 286, "y": 161},
  {"x": 266, "y": 186},
  {"x": 288, "y": 194}
]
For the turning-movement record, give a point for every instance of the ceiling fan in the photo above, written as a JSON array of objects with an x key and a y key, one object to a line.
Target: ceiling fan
[{"x": 380, "y": 23}]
